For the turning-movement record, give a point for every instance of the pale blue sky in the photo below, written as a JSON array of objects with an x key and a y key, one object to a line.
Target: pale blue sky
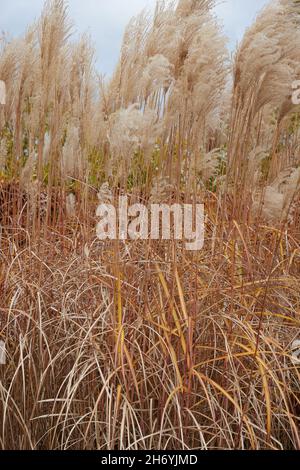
[{"x": 105, "y": 20}]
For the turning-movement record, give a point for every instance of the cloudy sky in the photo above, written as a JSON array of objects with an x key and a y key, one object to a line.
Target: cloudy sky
[{"x": 105, "y": 20}]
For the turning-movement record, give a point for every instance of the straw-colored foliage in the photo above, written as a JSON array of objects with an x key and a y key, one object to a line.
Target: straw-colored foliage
[{"x": 143, "y": 345}]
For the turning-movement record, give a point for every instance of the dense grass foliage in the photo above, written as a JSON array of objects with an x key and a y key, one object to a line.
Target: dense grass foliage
[{"x": 142, "y": 344}]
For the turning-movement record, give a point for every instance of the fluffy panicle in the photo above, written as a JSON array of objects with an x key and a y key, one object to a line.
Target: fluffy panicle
[
  {"x": 28, "y": 171},
  {"x": 72, "y": 163},
  {"x": 175, "y": 62},
  {"x": 255, "y": 160},
  {"x": 105, "y": 194},
  {"x": 269, "y": 204},
  {"x": 3, "y": 154},
  {"x": 2, "y": 93},
  {"x": 266, "y": 64},
  {"x": 131, "y": 130},
  {"x": 276, "y": 201},
  {"x": 205, "y": 165},
  {"x": 295, "y": 352},
  {"x": 71, "y": 205},
  {"x": 143, "y": 344},
  {"x": 162, "y": 190},
  {"x": 157, "y": 75}
]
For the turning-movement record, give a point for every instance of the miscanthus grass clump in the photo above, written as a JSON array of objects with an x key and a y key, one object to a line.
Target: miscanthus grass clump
[{"x": 142, "y": 344}]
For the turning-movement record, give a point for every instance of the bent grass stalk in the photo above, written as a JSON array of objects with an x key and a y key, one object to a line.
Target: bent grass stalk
[{"x": 137, "y": 345}]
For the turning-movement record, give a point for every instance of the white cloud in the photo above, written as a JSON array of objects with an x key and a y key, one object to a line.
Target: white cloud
[{"x": 105, "y": 20}]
